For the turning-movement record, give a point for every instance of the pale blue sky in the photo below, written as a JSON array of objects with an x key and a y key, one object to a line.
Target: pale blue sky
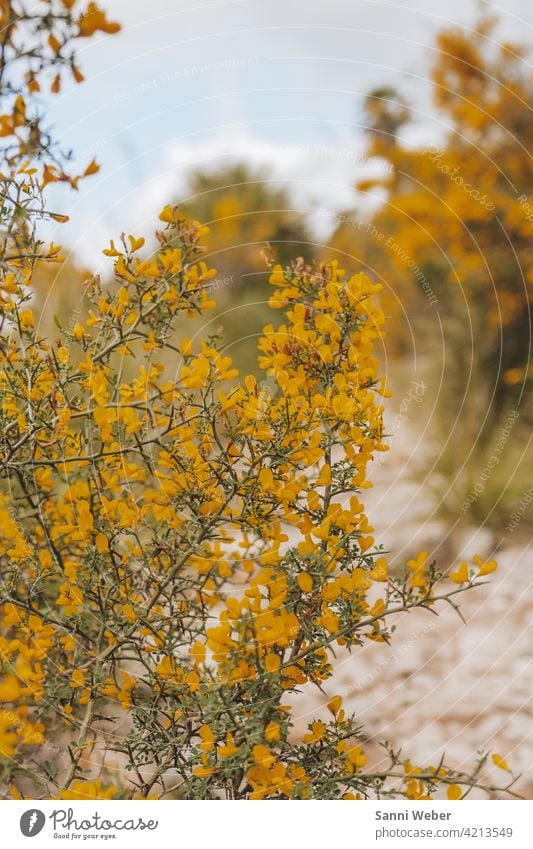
[{"x": 275, "y": 81}]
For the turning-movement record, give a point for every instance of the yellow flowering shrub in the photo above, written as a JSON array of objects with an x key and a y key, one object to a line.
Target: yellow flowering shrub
[
  {"x": 181, "y": 548},
  {"x": 452, "y": 244}
]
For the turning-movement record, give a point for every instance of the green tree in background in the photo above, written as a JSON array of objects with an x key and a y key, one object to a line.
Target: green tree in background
[{"x": 252, "y": 222}]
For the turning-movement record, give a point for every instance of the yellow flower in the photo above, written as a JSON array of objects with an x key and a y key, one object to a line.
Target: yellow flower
[
  {"x": 94, "y": 19},
  {"x": 318, "y": 731},
  {"x": 272, "y": 662},
  {"x": 203, "y": 771},
  {"x": 305, "y": 582},
  {"x": 136, "y": 243},
  {"x": 229, "y": 749},
  {"x": 484, "y": 568},
  {"x": 9, "y": 689},
  {"x": 88, "y": 790},
  {"x": 418, "y": 569},
  {"x": 169, "y": 215},
  {"x": 334, "y": 705},
  {"x": 129, "y": 613},
  {"x": 460, "y": 576},
  {"x": 356, "y": 756},
  {"x": 70, "y": 597},
  {"x": 198, "y": 652},
  {"x": 500, "y": 762},
  {"x": 26, "y": 319},
  {"x": 380, "y": 570},
  {"x": 102, "y": 545},
  {"x": 63, "y": 356},
  {"x": 262, "y": 755},
  {"x": 272, "y": 732},
  {"x": 92, "y": 168},
  {"x": 207, "y": 737},
  {"x": 324, "y": 478},
  {"x": 78, "y": 331},
  {"x": 454, "y": 792},
  {"x": 77, "y": 679}
]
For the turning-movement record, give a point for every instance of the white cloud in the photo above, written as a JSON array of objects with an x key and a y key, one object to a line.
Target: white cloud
[{"x": 277, "y": 83}]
